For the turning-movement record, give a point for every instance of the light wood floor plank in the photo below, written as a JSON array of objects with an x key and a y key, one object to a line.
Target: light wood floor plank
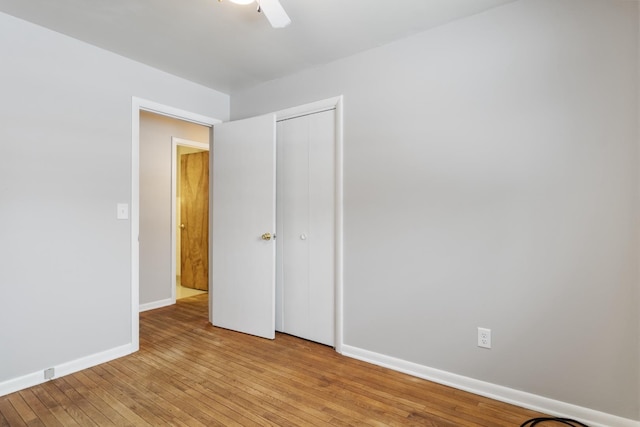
[
  {"x": 10, "y": 415},
  {"x": 74, "y": 397},
  {"x": 283, "y": 377},
  {"x": 44, "y": 414},
  {"x": 189, "y": 373},
  {"x": 240, "y": 378},
  {"x": 177, "y": 392},
  {"x": 100, "y": 404},
  {"x": 287, "y": 376},
  {"x": 24, "y": 410},
  {"x": 3, "y": 421},
  {"x": 47, "y": 400},
  {"x": 70, "y": 407},
  {"x": 174, "y": 405},
  {"x": 303, "y": 398}
]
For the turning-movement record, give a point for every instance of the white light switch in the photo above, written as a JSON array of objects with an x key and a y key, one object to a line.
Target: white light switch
[{"x": 123, "y": 211}]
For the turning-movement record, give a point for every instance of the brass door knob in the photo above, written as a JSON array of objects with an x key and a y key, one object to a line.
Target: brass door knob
[
  {"x": 182, "y": 226},
  {"x": 266, "y": 236}
]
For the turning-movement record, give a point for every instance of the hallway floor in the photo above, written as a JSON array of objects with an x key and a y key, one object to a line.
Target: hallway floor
[{"x": 183, "y": 292}]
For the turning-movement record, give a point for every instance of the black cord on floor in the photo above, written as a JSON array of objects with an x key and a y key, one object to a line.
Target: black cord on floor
[{"x": 535, "y": 421}]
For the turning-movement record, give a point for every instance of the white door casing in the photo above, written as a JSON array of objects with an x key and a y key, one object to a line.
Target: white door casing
[{"x": 243, "y": 209}]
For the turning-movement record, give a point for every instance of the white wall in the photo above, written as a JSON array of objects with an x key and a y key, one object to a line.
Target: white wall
[
  {"x": 65, "y": 161},
  {"x": 491, "y": 179},
  {"x": 155, "y": 200}
]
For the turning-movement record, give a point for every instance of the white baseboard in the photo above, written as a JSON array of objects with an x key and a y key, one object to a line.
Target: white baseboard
[
  {"x": 156, "y": 304},
  {"x": 35, "y": 378},
  {"x": 503, "y": 394}
]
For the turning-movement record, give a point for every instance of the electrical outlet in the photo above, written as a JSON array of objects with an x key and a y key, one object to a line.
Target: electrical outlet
[
  {"x": 484, "y": 337},
  {"x": 49, "y": 373}
]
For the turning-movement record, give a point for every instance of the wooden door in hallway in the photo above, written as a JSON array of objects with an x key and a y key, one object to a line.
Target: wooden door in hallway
[{"x": 194, "y": 214}]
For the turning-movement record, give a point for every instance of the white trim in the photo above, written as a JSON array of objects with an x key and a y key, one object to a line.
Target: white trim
[
  {"x": 315, "y": 107},
  {"x": 134, "y": 215},
  {"x": 174, "y": 191},
  {"x": 176, "y": 113},
  {"x": 158, "y": 304},
  {"x": 63, "y": 369},
  {"x": 534, "y": 402},
  {"x": 339, "y": 261},
  {"x": 20, "y": 383},
  {"x": 137, "y": 105}
]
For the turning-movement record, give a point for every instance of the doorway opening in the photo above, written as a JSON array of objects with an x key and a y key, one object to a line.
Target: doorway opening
[
  {"x": 137, "y": 294},
  {"x": 159, "y": 135}
]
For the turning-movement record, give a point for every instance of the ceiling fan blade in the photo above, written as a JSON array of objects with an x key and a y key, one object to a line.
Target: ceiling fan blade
[{"x": 275, "y": 13}]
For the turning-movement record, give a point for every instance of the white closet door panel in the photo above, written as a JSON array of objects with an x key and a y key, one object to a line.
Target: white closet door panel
[
  {"x": 321, "y": 226},
  {"x": 306, "y": 227},
  {"x": 281, "y": 131},
  {"x": 295, "y": 168}
]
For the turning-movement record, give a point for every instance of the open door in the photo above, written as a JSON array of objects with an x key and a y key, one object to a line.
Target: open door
[{"x": 242, "y": 294}]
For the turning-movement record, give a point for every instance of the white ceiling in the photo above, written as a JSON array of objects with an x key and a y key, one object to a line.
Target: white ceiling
[{"x": 230, "y": 47}]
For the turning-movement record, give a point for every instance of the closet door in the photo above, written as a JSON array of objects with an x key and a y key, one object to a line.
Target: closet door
[{"x": 306, "y": 227}]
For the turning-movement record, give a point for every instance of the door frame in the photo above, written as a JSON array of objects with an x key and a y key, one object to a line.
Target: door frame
[
  {"x": 175, "y": 142},
  {"x": 137, "y": 105},
  {"x": 140, "y": 104},
  {"x": 335, "y": 103}
]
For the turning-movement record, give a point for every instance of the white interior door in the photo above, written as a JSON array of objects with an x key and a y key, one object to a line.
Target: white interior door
[{"x": 243, "y": 210}]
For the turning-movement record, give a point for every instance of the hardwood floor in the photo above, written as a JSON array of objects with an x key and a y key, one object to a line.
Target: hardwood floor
[{"x": 189, "y": 373}]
